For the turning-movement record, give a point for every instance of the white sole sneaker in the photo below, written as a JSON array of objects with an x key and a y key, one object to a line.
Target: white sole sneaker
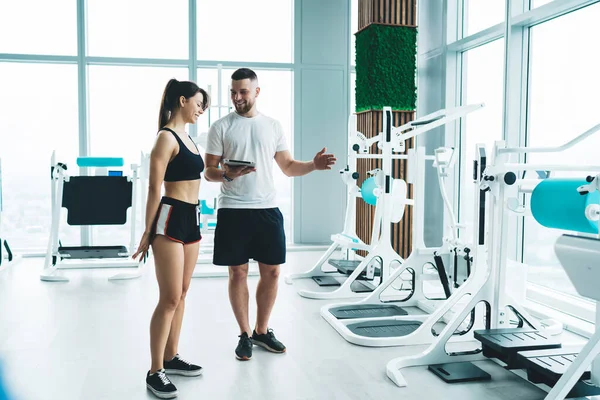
[
  {"x": 265, "y": 346},
  {"x": 183, "y": 373},
  {"x": 162, "y": 395}
]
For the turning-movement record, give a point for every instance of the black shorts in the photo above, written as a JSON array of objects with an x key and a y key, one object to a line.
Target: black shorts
[
  {"x": 177, "y": 220},
  {"x": 243, "y": 234}
]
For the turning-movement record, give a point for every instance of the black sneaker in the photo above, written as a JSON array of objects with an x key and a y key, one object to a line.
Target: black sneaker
[
  {"x": 179, "y": 366},
  {"x": 159, "y": 384},
  {"x": 243, "y": 351},
  {"x": 268, "y": 341}
]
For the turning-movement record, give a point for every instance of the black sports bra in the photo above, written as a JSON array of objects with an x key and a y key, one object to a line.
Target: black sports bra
[{"x": 186, "y": 166}]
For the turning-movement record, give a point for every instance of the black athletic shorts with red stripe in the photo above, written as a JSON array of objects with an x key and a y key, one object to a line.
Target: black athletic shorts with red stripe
[{"x": 178, "y": 221}]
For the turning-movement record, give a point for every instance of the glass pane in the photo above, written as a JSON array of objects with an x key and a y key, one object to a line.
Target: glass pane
[
  {"x": 275, "y": 100},
  {"x": 38, "y": 27},
  {"x": 481, "y": 14},
  {"x": 238, "y": 30},
  {"x": 208, "y": 78},
  {"x": 484, "y": 76},
  {"x": 123, "y": 121},
  {"x": 32, "y": 127},
  {"x": 138, "y": 28},
  {"x": 563, "y": 103}
]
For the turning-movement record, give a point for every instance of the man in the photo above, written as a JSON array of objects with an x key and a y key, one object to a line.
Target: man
[{"x": 249, "y": 225}]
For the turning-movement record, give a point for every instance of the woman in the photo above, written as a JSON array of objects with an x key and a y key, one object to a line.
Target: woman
[{"x": 173, "y": 228}]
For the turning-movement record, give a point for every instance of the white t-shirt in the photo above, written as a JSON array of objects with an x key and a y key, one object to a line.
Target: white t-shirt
[{"x": 248, "y": 139}]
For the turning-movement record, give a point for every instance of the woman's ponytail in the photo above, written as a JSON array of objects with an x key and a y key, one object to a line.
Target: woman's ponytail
[{"x": 166, "y": 104}]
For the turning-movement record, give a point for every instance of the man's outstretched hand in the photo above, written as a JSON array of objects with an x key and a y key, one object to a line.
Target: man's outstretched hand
[{"x": 324, "y": 161}]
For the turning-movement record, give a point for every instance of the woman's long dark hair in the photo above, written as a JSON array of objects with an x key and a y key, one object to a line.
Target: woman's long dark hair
[{"x": 170, "y": 98}]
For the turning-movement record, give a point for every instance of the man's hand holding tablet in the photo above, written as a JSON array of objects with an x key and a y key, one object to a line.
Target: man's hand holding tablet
[{"x": 235, "y": 168}]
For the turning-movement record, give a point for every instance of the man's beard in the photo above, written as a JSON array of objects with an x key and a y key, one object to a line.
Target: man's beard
[{"x": 243, "y": 108}]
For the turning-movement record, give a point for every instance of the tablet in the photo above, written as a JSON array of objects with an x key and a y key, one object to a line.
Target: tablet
[{"x": 239, "y": 163}]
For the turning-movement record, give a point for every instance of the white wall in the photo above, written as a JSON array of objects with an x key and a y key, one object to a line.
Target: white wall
[{"x": 321, "y": 82}]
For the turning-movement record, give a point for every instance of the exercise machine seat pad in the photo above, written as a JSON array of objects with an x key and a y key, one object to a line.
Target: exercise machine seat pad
[{"x": 97, "y": 200}]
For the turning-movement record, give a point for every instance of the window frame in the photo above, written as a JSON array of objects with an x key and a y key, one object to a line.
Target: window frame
[
  {"x": 192, "y": 63},
  {"x": 543, "y": 302}
]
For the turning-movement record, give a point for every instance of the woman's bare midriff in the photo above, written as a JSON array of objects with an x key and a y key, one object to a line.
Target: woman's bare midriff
[{"x": 183, "y": 190}]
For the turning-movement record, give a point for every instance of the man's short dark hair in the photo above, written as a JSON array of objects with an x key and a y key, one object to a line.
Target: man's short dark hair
[{"x": 244, "y": 73}]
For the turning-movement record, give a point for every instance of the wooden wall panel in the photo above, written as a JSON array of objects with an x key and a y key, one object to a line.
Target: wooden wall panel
[
  {"x": 370, "y": 123},
  {"x": 387, "y": 12}
]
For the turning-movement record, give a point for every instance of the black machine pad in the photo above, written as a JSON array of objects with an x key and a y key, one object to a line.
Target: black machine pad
[
  {"x": 326, "y": 281},
  {"x": 459, "y": 372},
  {"x": 82, "y": 252},
  {"x": 548, "y": 366},
  {"x": 378, "y": 329},
  {"x": 366, "y": 311},
  {"x": 97, "y": 200},
  {"x": 361, "y": 287},
  {"x": 504, "y": 344},
  {"x": 347, "y": 267}
]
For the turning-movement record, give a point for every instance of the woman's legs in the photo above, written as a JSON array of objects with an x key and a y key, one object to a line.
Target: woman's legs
[
  {"x": 169, "y": 265},
  {"x": 190, "y": 258}
]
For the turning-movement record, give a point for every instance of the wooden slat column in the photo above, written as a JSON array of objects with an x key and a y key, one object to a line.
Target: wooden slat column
[
  {"x": 370, "y": 123},
  {"x": 387, "y": 12}
]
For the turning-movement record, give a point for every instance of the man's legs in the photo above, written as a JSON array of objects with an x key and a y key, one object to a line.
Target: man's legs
[
  {"x": 266, "y": 293},
  {"x": 232, "y": 246},
  {"x": 238, "y": 295},
  {"x": 269, "y": 250}
]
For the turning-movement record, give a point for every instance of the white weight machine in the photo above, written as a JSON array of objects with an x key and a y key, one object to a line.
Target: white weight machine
[
  {"x": 391, "y": 199},
  {"x": 379, "y": 321},
  {"x": 525, "y": 346}
]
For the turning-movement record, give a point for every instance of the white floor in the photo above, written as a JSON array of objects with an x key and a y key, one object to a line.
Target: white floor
[{"x": 88, "y": 339}]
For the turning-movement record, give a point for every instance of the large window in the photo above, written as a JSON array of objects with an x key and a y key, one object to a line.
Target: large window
[
  {"x": 39, "y": 115},
  {"x": 123, "y": 108},
  {"x": 563, "y": 103},
  {"x": 138, "y": 28},
  {"x": 38, "y": 27},
  {"x": 547, "y": 96},
  {"x": 123, "y": 122},
  {"x": 132, "y": 49},
  {"x": 481, "y": 14},
  {"x": 241, "y": 30},
  {"x": 482, "y": 72}
]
